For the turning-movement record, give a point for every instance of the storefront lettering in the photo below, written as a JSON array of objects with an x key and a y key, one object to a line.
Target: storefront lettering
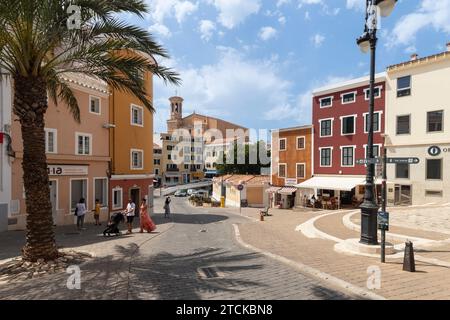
[{"x": 67, "y": 170}]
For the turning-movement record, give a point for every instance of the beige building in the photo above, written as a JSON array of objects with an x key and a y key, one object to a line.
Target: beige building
[
  {"x": 183, "y": 146},
  {"x": 418, "y": 125},
  {"x": 77, "y": 155},
  {"x": 253, "y": 193}
]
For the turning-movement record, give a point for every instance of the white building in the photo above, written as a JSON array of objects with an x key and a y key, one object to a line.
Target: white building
[
  {"x": 5, "y": 164},
  {"x": 214, "y": 151},
  {"x": 418, "y": 125}
]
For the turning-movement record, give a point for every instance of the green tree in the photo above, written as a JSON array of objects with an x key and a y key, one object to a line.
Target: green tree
[
  {"x": 245, "y": 159},
  {"x": 37, "y": 47}
]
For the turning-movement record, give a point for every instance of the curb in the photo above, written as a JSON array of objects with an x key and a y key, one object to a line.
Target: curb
[{"x": 358, "y": 291}]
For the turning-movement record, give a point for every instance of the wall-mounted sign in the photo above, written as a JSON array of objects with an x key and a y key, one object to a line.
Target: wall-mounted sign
[
  {"x": 434, "y": 151},
  {"x": 290, "y": 182},
  {"x": 67, "y": 170}
]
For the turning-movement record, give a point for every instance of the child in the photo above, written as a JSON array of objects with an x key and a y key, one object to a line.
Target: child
[{"x": 97, "y": 212}]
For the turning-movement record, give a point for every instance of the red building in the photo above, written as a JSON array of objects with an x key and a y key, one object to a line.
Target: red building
[{"x": 340, "y": 114}]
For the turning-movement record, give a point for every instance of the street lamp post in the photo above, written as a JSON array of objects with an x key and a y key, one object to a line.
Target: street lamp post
[{"x": 368, "y": 41}]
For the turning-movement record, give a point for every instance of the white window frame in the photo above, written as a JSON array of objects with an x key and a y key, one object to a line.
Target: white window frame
[
  {"x": 132, "y": 107},
  {"x": 114, "y": 206},
  {"x": 304, "y": 170},
  {"x": 57, "y": 192},
  {"x": 408, "y": 88},
  {"x": 131, "y": 159},
  {"x": 285, "y": 170},
  {"x": 324, "y": 98},
  {"x": 375, "y": 145},
  {"x": 346, "y": 93},
  {"x": 320, "y": 127},
  {"x": 380, "y": 88},
  {"x": 99, "y": 105},
  {"x": 55, "y": 140},
  {"x": 320, "y": 157},
  {"x": 355, "y": 116},
  {"x": 106, "y": 191},
  {"x": 82, "y": 134},
  {"x": 380, "y": 114},
  {"x": 285, "y": 144},
  {"x": 304, "y": 142},
  {"x": 70, "y": 192},
  {"x": 342, "y": 156}
]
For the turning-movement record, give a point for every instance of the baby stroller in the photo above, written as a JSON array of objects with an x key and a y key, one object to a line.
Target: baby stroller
[{"x": 113, "y": 224}]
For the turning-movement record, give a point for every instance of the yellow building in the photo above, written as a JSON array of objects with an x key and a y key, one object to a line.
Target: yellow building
[{"x": 131, "y": 148}]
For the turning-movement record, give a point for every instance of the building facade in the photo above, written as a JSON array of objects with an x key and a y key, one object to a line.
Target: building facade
[
  {"x": 291, "y": 159},
  {"x": 340, "y": 119},
  {"x": 157, "y": 158},
  {"x": 418, "y": 125},
  {"x": 184, "y": 144},
  {"x": 77, "y": 155},
  {"x": 5, "y": 156},
  {"x": 131, "y": 146}
]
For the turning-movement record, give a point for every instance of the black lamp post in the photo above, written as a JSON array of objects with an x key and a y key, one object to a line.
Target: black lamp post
[{"x": 368, "y": 41}]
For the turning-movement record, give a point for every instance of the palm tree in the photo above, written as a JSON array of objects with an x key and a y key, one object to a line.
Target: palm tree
[{"x": 38, "y": 45}]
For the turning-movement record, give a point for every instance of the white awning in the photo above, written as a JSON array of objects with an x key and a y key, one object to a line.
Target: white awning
[
  {"x": 288, "y": 190},
  {"x": 332, "y": 183},
  {"x": 273, "y": 189}
]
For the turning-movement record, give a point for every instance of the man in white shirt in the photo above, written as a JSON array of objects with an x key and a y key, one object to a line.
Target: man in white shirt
[{"x": 130, "y": 212}]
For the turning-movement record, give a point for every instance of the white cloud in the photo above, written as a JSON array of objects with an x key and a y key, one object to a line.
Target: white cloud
[
  {"x": 356, "y": 4},
  {"x": 207, "y": 28},
  {"x": 178, "y": 9},
  {"x": 282, "y": 2},
  {"x": 234, "y": 12},
  {"x": 234, "y": 88},
  {"x": 318, "y": 40},
  {"x": 160, "y": 29},
  {"x": 431, "y": 13},
  {"x": 324, "y": 6},
  {"x": 282, "y": 20},
  {"x": 267, "y": 33}
]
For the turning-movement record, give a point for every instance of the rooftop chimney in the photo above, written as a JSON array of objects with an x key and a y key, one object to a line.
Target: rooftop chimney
[{"x": 414, "y": 57}]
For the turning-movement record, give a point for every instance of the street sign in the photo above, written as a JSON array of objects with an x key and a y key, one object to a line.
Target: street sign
[
  {"x": 383, "y": 221},
  {"x": 368, "y": 161},
  {"x": 240, "y": 187},
  {"x": 403, "y": 160}
]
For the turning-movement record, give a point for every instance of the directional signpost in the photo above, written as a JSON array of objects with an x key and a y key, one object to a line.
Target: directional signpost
[{"x": 383, "y": 216}]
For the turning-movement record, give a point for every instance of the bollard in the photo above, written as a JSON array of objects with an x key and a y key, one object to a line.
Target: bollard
[
  {"x": 261, "y": 216},
  {"x": 408, "y": 261}
]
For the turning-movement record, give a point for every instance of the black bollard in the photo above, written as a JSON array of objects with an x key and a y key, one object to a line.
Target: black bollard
[{"x": 408, "y": 261}]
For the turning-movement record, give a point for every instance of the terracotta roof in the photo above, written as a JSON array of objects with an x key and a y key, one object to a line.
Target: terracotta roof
[
  {"x": 156, "y": 146},
  {"x": 236, "y": 179}
]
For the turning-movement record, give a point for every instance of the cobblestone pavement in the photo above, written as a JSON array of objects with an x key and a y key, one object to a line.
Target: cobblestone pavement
[
  {"x": 170, "y": 264},
  {"x": 429, "y": 218}
]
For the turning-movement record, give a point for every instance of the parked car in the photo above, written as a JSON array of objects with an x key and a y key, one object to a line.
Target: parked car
[
  {"x": 202, "y": 193},
  {"x": 190, "y": 192},
  {"x": 181, "y": 193}
]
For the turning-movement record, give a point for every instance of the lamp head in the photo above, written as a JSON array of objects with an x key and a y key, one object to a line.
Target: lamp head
[
  {"x": 386, "y": 6},
  {"x": 364, "y": 42}
]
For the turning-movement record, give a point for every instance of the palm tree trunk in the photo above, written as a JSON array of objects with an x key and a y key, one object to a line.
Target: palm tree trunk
[{"x": 30, "y": 105}]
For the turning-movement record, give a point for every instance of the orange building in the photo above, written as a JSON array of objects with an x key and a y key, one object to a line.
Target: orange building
[
  {"x": 291, "y": 164},
  {"x": 131, "y": 147},
  {"x": 77, "y": 155}
]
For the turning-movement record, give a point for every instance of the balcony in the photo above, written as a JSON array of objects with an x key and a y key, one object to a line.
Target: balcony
[{"x": 173, "y": 170}]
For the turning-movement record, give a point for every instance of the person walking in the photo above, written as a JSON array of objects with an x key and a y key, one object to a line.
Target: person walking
[
  {"x": 147, "y": 223},
  {"x": 97, "y": 212},
  {"x": 80, "y": 212},
  {"x": 167, "y": 207},
  {"x": 131, "y": 207}
]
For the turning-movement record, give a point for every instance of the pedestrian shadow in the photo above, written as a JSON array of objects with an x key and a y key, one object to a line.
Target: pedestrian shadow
[{"x": 195, "y": 218}]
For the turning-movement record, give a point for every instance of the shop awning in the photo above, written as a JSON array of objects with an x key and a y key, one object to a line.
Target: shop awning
[
  {"x": 273, "y": 189},
  {"x": 332, "y": 183},
  {"x": 288, "y": 190}
]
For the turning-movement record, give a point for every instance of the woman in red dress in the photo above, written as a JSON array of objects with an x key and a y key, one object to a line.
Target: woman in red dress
[{"x": 146, "y": 222}]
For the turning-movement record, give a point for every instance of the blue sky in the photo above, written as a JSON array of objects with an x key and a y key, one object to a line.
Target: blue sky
[{"x": 255, "y": 62}]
